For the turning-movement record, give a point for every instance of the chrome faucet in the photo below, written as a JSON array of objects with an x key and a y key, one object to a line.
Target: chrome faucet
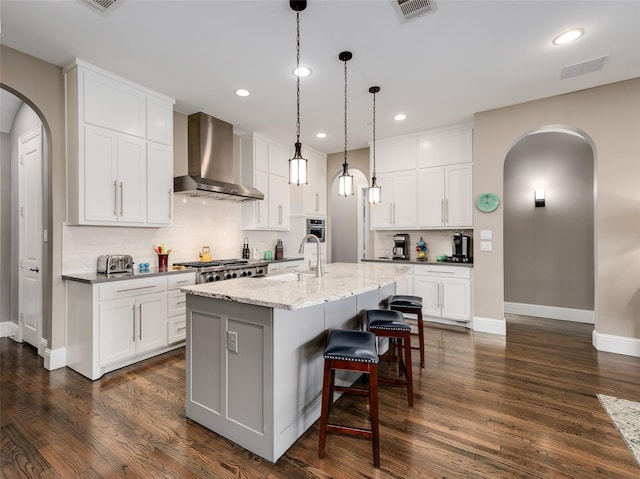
[{"x": 301, "y": 250}]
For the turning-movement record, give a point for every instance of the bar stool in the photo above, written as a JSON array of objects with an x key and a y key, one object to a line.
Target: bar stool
[
  {"x": 390, "y": 324},
  {"x": 350, "y": 351},
  {"x": 411, "y": 305}
]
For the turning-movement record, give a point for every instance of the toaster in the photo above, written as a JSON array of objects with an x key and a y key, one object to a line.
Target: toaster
[{"x": 115, "y": 263}]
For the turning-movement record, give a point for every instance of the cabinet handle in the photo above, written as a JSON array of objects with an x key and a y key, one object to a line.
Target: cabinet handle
[
  {"x": 390, "y": 213},
  {"x": 183, "y": 281},
  {"x": 317, "y": 202},
  {"x": 258, "y": 208},
  {"x": 181, "y": 302},
  {"x": 183, "y": 328},
  {"x": 121, "y": 198},
  {"x": 134, "y": 289},
  {"x": 133, "y": 314},
  {"x": 140, "y": 320},
  {"x": 169, "y": 204},
  {"x": 440, "y": 272},
  {"x": 115, "y": 198},
  {"x": 442, "y": 211},
  {"x": 441, "y": 301},
  {"x": 446, "y": 211},
  {"x": 279, "y": 214}
]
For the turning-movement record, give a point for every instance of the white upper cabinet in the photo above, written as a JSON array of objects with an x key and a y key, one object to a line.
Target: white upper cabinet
[
  {"x": 395, "y": 155},
  {"x": 120, "y": 150},
  {"x": 398, "y": 206},
  {"x": 445, "y": 146},
  {"x": 444, "y": 197},
  {"x": 265, "y": 166},
  {"x": 311, "y": 199}
]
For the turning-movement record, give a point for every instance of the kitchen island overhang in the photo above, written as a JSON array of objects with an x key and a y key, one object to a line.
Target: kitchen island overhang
[{"x": 255, "y": 350}]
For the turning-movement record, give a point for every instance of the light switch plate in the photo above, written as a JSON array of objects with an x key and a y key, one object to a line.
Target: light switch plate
[
  {"x": 485, "y": 234},
  {"x": 485, "y": 246}
]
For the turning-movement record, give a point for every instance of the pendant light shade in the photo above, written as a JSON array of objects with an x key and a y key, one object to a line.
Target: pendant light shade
[
  {"x": 298, "y": 164},
  {"x": 345, "y": 179},
  {"x": 375, "y": 192}
]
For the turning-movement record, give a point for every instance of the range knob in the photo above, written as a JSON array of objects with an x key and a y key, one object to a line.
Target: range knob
[
  {"x": 259, "y": 271},
  {"x": 234, "y": 275},
  {"x": 227, "y": 276},
  {"x": 210, "y": 279},
  {"x": 248, "y": 273},
  {"x": 217, "y": 277},
  {"x": 243, "y": 274}
]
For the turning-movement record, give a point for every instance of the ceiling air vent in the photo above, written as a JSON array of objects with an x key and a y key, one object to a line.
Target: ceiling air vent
[
  {"x": 583, "y": 67},
  {"x": 101, "y": 5},
  {"x": 410, "y": 9}
]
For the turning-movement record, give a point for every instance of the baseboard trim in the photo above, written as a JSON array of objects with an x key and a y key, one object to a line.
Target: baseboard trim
[
  {"x": 55, "y": 358},
  {"x": 8, "y": 329},
  {"x": 490, "y": 325},
  {"x": 551, "y": 312},
  {"x": 616, "y": 344}
]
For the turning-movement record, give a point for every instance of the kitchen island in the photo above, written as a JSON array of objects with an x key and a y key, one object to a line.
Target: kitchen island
[{"x": 255, "y": 349}]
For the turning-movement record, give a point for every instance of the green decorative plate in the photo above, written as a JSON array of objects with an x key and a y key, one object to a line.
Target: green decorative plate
[{"x": 487, "y": 202}]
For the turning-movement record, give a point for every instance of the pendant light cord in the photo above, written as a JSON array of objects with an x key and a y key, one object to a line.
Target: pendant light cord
[
  {"x": 298, "y": 76},
  {"x": 345, "y": 111},
  {"x": 374, "y": 134}
]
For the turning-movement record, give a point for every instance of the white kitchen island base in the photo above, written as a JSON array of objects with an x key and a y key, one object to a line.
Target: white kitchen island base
[{"x": 254, "y": 373}]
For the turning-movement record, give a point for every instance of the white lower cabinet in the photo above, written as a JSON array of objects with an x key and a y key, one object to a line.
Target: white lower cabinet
[
  {"x": 445, "y": 292},
  {"x": 285, "y": 267},
  {"x": 131, "y": 326},
  {"x": 117, "y": 323}
]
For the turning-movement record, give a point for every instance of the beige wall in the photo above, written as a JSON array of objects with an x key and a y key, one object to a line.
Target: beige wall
[
  {"x": 41, "y": 85},
  {"x": 610, "y": 117}
]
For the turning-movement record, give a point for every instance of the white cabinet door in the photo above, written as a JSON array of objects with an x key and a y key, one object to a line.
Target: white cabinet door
[
  {"x": 132, "y": 180},
  {"x": 278, "y": 203},
  {"x": 404, "y": 198},
  {"x": 445, "y": 147},
  {"x": 428, "y": 288},
  {"x": 159, "y": 120},
  {"x": 100, "y": 175},
  {"x": 151, "y": 324},
  {"x": 117, "y": 326},
  {"x": 159, "y": 184},
  {"x": 279, "y": 160},
  {"x": 456, "y": 299},
  {"x": 445, "y": 196},
  {"x": 261, "y": 155},
  {"x": 458, "y": 195},
  {"x": 395, "y": 155},
  {"x": 112, "y": 104},
  {"x": 398, "y": 207}
]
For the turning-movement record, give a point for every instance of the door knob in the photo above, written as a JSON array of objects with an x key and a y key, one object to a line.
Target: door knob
[{"x": 36, "y": 269}]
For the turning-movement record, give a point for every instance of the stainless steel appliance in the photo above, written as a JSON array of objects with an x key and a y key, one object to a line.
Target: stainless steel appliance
[
  {"x": 401, "y": 246},
  {"x": 115, "y": 263},
  {"x": 316, "y": 228},
  {"x": 462, "y": 247},
  {"x": 223, "y": 269}
]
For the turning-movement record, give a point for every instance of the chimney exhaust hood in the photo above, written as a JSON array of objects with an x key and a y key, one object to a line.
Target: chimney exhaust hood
[{"x": 210, "y": 162}]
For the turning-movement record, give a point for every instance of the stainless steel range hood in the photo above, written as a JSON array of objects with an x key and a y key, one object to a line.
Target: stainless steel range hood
[{"x": 210, "y": 162}]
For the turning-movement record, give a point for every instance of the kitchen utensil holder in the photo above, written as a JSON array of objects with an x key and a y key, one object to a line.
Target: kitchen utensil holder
[{"x": 163, "y": 261}]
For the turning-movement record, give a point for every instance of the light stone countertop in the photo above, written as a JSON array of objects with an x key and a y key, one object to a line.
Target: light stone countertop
[{"x": 340, "y": 280}]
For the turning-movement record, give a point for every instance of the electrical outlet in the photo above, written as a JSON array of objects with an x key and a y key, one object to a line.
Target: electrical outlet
[
  {"x": 485, "y": 234},
  {"x": 232, "y": 341},
  {"x": 485, "y": 246}
]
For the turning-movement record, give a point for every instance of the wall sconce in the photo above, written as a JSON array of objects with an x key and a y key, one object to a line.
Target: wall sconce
[{"x": 538, "y": 195}]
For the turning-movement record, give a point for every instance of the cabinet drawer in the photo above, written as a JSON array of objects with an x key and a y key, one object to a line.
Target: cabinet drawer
[
  {"x": 177, "y": 329},
  {"x": 180, "y": 280},
  {"x": 134, "y": 287},
  {"x": 177, "y": 303},
  {"x": 462, "y": 272}
]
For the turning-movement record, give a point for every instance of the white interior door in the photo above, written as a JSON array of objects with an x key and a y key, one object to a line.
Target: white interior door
[{"x": 30, "y": 288}]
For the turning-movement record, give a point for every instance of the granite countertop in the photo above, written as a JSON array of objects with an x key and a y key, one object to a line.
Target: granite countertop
[
  {"x": 340, "y": 280},
  {"x": 93, "y": 278},
  {"x": 415, "y": 261}
]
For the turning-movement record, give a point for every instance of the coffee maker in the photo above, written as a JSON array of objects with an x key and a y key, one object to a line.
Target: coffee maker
[
  {"x": 401, "y": 246},
  {"x": 462, "y": 247}
]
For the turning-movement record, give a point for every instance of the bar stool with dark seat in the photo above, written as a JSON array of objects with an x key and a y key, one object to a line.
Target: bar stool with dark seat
[
  {"x": 350, "y": 351},
  {"x": 411, "y": 305},
  {"x": 390, "y": 324}
]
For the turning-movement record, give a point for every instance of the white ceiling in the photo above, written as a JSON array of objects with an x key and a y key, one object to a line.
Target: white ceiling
[{"x": 438, "y": 69}]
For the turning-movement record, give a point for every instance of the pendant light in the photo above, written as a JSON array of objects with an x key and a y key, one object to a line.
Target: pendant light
[
  {"x": 298, "y": 164},
  {"x": 374, "y": 189},
  {"x": 346, "y": 180}
]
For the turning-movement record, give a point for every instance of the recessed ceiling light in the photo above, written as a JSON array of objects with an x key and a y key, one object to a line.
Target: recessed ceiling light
[
  {"x": 242, "y": 92},
  {"x": 321, "y": 135},
  {"x": 302, "y": 72},
  {"x": 400, "y": 117},
  {"x": 569, "y": 36}
]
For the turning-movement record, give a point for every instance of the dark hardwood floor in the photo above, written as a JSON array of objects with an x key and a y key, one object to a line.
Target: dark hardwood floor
[{"x": 486, "y": 406}]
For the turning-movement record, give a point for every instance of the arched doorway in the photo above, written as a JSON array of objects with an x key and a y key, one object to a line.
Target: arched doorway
[
  {"x": 549, "y": 250},
  {"x": 23, "y": 216}
]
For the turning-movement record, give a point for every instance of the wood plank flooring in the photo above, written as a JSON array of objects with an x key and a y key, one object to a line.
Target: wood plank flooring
[{"x": 486, "y": 406}]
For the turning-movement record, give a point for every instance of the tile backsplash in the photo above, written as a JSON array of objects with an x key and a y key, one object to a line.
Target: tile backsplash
[
  {"x": 197, "y": 222},
  {"x": 438, "y": 242}
]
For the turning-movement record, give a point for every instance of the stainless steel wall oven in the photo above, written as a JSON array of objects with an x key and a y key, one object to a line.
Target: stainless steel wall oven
[{"x": 316, "y": 227}]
